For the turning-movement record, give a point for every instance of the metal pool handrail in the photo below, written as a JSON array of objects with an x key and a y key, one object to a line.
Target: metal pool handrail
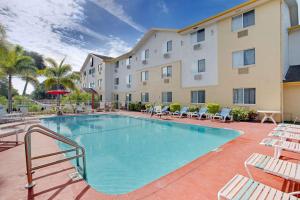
[{"x": 80, "y": 152}]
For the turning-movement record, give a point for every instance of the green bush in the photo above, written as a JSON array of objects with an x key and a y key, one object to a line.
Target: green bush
[
  {"x": 240, "y": 114},
  {"x": 175, "y": 107},
  {"x": 131, "y": 107},
  {"x": 148, "y": 106},
  {"x": 138, "y": 107},
  {"x": 193, "y": 108},
  {"x": 252, "y": 115},
  {"x": 213, "y": 108},
  {"x": 3, "y": 101},
  {"x": 34, "y": 108}
]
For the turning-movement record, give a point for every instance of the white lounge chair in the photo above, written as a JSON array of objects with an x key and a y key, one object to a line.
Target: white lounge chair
[
  {"x": 241, "y": 187},
  {"x": 289, "y": 125},
  {"x": 280, "y": 145},
  {"x": 223, "y": 115},
  {"x": 287, "y": 129},
  {"x": 285, "y": 135},
  {"x": 17, "y": 128},
  {"x": 285, "y": 169}
]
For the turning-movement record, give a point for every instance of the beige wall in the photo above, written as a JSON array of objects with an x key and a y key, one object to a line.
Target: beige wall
[
  {"x": 291, "y": 106},
  {"x": 265, "y": 75}
]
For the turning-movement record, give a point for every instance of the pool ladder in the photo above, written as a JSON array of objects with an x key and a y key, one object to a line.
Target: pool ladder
[{"x": 80, "y": 152}]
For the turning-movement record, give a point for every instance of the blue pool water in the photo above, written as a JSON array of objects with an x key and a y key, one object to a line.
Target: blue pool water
[{"x": 126, "y": 153}]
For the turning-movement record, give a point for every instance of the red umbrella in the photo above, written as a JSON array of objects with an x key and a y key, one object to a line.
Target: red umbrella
[{"x": 57, "y": 92}]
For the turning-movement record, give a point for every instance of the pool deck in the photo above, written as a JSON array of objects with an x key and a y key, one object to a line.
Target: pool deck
[{"x": 200, "y": 179}]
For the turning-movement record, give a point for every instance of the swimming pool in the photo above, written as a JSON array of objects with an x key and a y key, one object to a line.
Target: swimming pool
[{"x": 125, "y": 153}]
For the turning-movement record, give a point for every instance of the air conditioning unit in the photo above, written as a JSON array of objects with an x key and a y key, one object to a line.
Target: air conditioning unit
[
  {"x": 244, "y": 70},
  {"x": 166, "y": 55},
  {"x": 197, "y": 46},
  {"x": 128, "y": 86},
  {"x": 144, "y": 83},
  {"x": 144, "y": 62},
  {"x": 242, "y": 33},
  {"x": 116, "y": 87},
  {"x": 166, "y": 80},
  {"x": 197, "y": 77},
  {"x": 128, "y": 66}
]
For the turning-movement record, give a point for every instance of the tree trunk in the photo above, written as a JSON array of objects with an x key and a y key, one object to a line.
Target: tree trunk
[
  {"x": 58, "y": 105},
  {"x": 9, "y": 93},
  {"x": 25, "y": 87}
]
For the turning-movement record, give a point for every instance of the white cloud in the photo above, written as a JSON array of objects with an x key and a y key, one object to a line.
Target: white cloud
[
  {"x": 117, "y": 10},
  {"x": 32, "y": 25},
  {"x": 163, "y": 7}
]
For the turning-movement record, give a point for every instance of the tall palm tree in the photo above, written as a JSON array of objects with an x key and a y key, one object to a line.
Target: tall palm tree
[
  {"x": 12, "y": 63},
  {"x": 59, "y": 76},
  {"x": 29, "y": 75}
]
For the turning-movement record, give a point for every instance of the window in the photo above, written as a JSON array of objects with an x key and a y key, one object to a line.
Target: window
[
  {"x": 198, "y": 36},
  {"x": 117, "y": 64},
  {"x": 242, "y": 58},
  {"x": 144, "y": 97},
  {"x": 242, "y": 21},
  {"x": 99, "y": 83},
  {"x": 169, "y": 46},
  {"x": 128, "y": 97},
  {"x": 144, "y": 75},
  {"x": 166, "y": 71},
  {"x": 198, "y": 96},
  {"x": 92, "y": 62},
  {"x": 116, "y": 81},
  {"x": 99, "y": 68},
  {"x": 244, "y": 96},
  {"x": 91, "y": 84},
  {"x": 128, "y": 60},
  {"x": 166, "y": 97},
  {"x": 84, "y": 73},
  {"x": 201, "y": 66},
  {"x": 92, "y": 71},
  {"x": 145, "y": 55},
  {"x": 116, "y": 97},
  {"x": 129, "y": 79},
  {"x": 100, "y": 97}
]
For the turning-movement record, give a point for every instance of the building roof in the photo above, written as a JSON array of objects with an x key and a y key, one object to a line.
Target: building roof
[
  {"x": 292, "y": 4},
  {"x": 105, "y": 58},
  {"x": 293, "y": 74}
]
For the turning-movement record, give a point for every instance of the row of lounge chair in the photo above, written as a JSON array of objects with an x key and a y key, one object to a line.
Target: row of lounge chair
[
  {"x": 241, "y": 187},
  {"x": 223, "y": 115}
]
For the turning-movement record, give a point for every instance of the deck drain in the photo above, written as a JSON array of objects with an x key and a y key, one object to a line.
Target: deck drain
[{"x": 75, "y": 176}]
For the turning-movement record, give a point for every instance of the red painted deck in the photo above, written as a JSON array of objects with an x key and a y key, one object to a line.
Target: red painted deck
[{"x": 200, "y": 179}]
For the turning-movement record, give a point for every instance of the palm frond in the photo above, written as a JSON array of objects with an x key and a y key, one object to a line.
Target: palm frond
[
  {"x": 52, "y": 62},
  {"x": 50, "y": 83},
  {"x": 68, "y": 83}
]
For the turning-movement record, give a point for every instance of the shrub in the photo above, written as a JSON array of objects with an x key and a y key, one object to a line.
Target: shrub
[
  {"x": 213, "y": 108},
  {"x": 34, "y": 108},
  {"x": 240, "y": 114},
  {"x": 148, "y": 106},
  {"x": 193, "y": 108},
  {"x": 131, "y": 106},
  {"x": 175, "y": 107},
  {"x": 252, "y": 115},
  {"x": 138, "y": 106},
  {"x": 3, "y": 101}
]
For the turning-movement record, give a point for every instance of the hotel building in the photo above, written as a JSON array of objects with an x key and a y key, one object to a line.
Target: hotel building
[{"x": 246, "y": 56}]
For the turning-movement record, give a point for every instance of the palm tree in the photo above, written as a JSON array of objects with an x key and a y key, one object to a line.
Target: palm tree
[
  {"x": 59, "y": 76},
  {"x": 29, "y": 75},
  {"x": 13, "y": 63}
]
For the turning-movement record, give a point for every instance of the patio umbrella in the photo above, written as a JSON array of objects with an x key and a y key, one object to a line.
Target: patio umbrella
[{"x": 58, "y": 93}]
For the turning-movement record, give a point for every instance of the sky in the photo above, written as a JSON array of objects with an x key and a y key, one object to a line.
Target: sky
[{"x": 74, "y": 28}]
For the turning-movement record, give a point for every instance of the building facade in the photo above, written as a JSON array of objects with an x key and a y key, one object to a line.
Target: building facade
[{"x": 239, "y": 57}]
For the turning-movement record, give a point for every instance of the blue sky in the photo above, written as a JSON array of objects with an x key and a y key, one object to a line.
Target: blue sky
[{"x": 73, "y": 28}]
